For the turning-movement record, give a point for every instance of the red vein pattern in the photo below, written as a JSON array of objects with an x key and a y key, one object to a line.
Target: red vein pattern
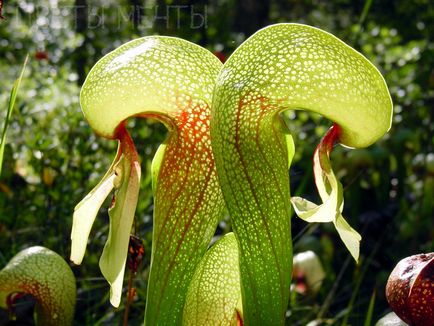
[
  {"x": 188, "y": 203},
  {"x": 256, "y": 190},
  {"x": 172, "y": 80},
  {"x": 283, "y": 66}
]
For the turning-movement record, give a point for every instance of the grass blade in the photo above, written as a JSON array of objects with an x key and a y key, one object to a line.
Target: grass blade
[
  {"x": 368, "y": 319},
  {"x": 11, "y": 105}
]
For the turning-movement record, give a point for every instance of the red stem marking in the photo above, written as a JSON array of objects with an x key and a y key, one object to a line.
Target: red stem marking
[{"x": 326, "y": 144}]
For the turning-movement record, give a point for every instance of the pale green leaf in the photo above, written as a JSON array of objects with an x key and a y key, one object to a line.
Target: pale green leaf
[
  {"x": 85, "y": 212},
  {"x": 290, "y": 147},
  {"x": 349, "y": 237},
  {"x": 156, "y": 164},
  {"x": 113, "y": 258},
  {"x": 313, "y": 213},
  {"x": 214, "y": 295}
]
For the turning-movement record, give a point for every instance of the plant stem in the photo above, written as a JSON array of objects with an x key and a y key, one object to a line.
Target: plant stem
[{"x": 130, "y": 296}]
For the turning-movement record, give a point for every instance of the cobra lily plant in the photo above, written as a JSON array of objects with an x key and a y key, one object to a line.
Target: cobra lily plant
[
  {"x": 171, "y": 80},
  {"x": 46, "y": 276},
  {"x": 281, "y": 67},
  {"x": 227, "y": 145}
]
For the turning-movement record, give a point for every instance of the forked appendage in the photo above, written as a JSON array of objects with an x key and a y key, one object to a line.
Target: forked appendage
[
  {"x": 124, "y": 177},
  {"x": 331, "y": 193}
]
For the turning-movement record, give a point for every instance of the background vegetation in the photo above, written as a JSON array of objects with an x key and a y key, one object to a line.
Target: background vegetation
[{"x": 53, "y": 159}]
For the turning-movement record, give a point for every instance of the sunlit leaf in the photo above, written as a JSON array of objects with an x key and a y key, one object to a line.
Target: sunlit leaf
[
  {"x": 113, "y": 258},
  {"x": 156, "y": 164},
  {"x": 285, "y": 66},
  {"x": 214, "y": 295},
  {"x": 350, "y": 237},
  {"x": 85, "y": 212}
]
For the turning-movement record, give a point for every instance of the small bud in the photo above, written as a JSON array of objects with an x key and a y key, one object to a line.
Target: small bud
[{"x": 308, "y": 272}]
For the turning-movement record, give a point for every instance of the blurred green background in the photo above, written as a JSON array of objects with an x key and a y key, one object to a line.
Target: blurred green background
[{"x": 53, "y": 159}]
